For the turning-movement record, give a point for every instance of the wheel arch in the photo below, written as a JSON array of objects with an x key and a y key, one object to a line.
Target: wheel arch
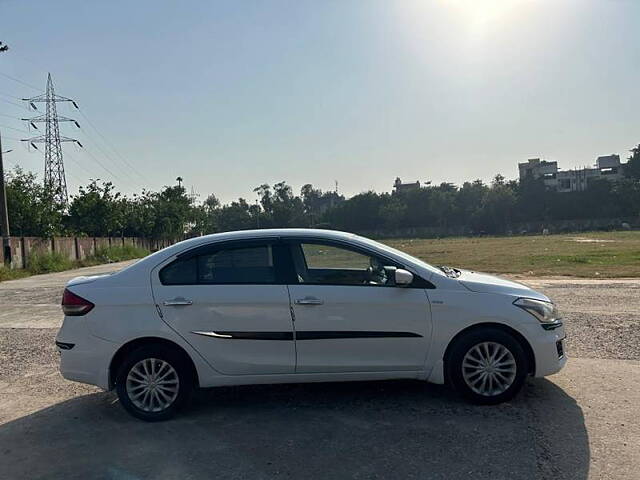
[
  {"x": 132, "y": 345},
  {"x": 531, "y": 359}
]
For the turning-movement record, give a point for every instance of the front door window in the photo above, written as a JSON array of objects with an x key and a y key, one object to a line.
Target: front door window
[{"x": 322, "y": 264}]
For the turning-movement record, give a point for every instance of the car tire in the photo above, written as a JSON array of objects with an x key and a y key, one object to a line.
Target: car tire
[
  {"x": 154, "y": 382},
  {"x": 487, "y": 366}
]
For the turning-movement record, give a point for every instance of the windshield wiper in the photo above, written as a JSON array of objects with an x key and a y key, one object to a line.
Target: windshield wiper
[{"x": 449, "y": 271}]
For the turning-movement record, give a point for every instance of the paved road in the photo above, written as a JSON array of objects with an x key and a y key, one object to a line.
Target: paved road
[
  {"x": 581, "y": 423},
  {"x": 34, "y": 302}
]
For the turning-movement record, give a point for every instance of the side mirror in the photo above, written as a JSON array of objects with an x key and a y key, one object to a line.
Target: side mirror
[{"x": 403, "y": 277}]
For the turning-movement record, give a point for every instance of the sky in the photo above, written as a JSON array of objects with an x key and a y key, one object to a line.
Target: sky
[{"x": 232, "y": 94}]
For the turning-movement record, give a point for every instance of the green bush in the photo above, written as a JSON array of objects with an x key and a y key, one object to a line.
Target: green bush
[
  {"x": 11, "y": 274},
  {"x": 48, "y": 262}
]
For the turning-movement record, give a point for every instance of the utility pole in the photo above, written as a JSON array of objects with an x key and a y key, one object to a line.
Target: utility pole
[
  {"x": 4, "y": 213},
  {"x": 54, "y": 176}
]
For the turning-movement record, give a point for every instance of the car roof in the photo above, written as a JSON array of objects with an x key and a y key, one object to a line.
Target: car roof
[
  {"x": 249, "y": 234},
  {"x": 268, "y": 232},
  {"x": 184, "y": 245},
  {"x": 314, "y": 233}
]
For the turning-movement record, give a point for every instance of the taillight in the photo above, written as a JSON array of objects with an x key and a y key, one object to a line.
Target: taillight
[{"x": 74, "y": 305}]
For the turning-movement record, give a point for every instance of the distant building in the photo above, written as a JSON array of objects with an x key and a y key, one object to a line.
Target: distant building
[
  {"x": 607, "y": 167},
  {"x": 405, "y": 187}
]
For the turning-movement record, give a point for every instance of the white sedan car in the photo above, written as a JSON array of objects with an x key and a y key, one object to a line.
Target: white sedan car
[{"x": 297, "y": 305}]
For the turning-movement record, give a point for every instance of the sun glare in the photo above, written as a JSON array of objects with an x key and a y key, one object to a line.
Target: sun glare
[
  {"x": 477, "y": 17},
  {"x": 483, "y": 14}
]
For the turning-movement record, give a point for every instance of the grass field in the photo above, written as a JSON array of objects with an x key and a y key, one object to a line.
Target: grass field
[{"x": 590, "y": 255}]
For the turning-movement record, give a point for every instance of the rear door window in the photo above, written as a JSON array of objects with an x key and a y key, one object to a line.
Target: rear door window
[
  {"x": 232, "y": 265},
  {"x": 252, "y": 265}
]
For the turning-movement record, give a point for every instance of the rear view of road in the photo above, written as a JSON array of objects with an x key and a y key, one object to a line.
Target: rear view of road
[{"x": 581, "y": 423}]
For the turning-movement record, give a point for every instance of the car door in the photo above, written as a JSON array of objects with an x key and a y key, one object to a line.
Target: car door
[
  {"x": 229, "y": 301},
  {"x": 350, "y": 317}
]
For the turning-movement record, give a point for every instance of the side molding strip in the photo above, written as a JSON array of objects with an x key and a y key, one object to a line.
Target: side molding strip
[
  {"x": 249, "y": 335},
  {"x": 305, "y": 335},
  {"x": 320, "y": 335}
]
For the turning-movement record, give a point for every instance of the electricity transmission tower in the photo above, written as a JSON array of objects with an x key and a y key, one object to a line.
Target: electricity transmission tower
[{"x": 54, "y": 177}]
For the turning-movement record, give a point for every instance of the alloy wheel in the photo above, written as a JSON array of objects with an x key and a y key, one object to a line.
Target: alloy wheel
[
  {"x": 489, "y": 368},
  {"x": 152, "y": 385}
]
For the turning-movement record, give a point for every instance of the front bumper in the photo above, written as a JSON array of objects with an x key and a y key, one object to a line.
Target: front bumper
[
  {"x": 548, "y": 349},
  {"x": 88, "y": 358}
]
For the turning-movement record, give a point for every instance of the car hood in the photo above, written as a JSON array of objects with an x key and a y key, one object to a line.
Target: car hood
[{"x": 485, "y": 283}]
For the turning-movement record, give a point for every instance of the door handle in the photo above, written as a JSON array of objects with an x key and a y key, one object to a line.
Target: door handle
[
  {"x": 177, "y": 302},
  {"x": 309, "y": 301}
]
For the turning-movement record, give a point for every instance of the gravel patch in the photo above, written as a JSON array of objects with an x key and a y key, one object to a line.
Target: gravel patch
[
  {"x": 602, "y": 319},
  {"x": 29, "y": 365},
  {"x": 25, "y": 349}
]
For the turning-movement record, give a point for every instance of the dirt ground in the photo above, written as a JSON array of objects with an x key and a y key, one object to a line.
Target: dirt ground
[{"x": 581, "y": 423}]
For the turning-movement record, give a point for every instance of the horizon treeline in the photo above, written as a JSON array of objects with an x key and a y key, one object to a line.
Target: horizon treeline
[{"x": 100, "y": 210}]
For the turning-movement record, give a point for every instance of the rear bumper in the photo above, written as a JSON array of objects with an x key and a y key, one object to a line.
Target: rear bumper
[{"x": 87, "y": 360}]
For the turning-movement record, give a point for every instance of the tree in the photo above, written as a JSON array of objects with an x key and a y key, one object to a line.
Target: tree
[
  {"x": 32, "y": 209},
  {"x": 96, "y": 211},
  {"x": 498, "y": 205},
  {"x": 469, "y": 201},
  {"x": 287, "y": 209},
  {"x": 442, "y": 201},
  {"x": 173, "y": 213},
  {"x": 627, "y": 197},
  {"x": 99, "y": 209},
  {"x": 392, "y": 212},
  {"x": 235, "y": 216},
  {"x": 632, "y": 168},
  {"x": 360, "y": 212},
  {"x": 311, "y": 200},
  {"x": 535, "y": 200},
  {"x": 204, "y": 217}
]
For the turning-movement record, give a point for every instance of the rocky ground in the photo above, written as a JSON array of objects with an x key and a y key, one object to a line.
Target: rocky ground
[{"x": 581, "y": 423}]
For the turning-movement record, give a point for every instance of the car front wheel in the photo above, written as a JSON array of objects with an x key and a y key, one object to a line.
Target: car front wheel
[
  {"x": 153, "y": 383},
  {"x": 487, "y": 366}
]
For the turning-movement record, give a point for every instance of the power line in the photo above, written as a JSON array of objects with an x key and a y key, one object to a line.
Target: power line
[
  {"x": 106, "y": 155},
  {"x": 79, "y": 164},
  {"x": 76, "y": 179},
  {"x": 9, "y": 95},
  {"x": 106, "y": 141},
  {"x": 13, "y": 103},
  {"x": 13, "y": 128},
  {"x": 19, "y": 81},
  {"x": 115, "y": 177},
  {"x": 4, "y": 137},
  {"x": 123, "y": 159}
]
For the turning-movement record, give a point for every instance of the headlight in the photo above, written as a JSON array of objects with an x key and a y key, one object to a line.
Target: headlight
[{"x": 545, "y": 312}]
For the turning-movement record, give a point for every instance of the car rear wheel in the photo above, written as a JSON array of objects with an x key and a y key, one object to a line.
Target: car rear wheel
[
  {"x": 487, "y": 366},
  {"x": 153, "y": 383}
]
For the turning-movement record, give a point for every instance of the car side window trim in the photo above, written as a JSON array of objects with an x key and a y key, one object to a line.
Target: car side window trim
[
  {"x": 281, "y": 260},
  {"x": 296, "y": 243},
  {"x": 216, "y": 246}
]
